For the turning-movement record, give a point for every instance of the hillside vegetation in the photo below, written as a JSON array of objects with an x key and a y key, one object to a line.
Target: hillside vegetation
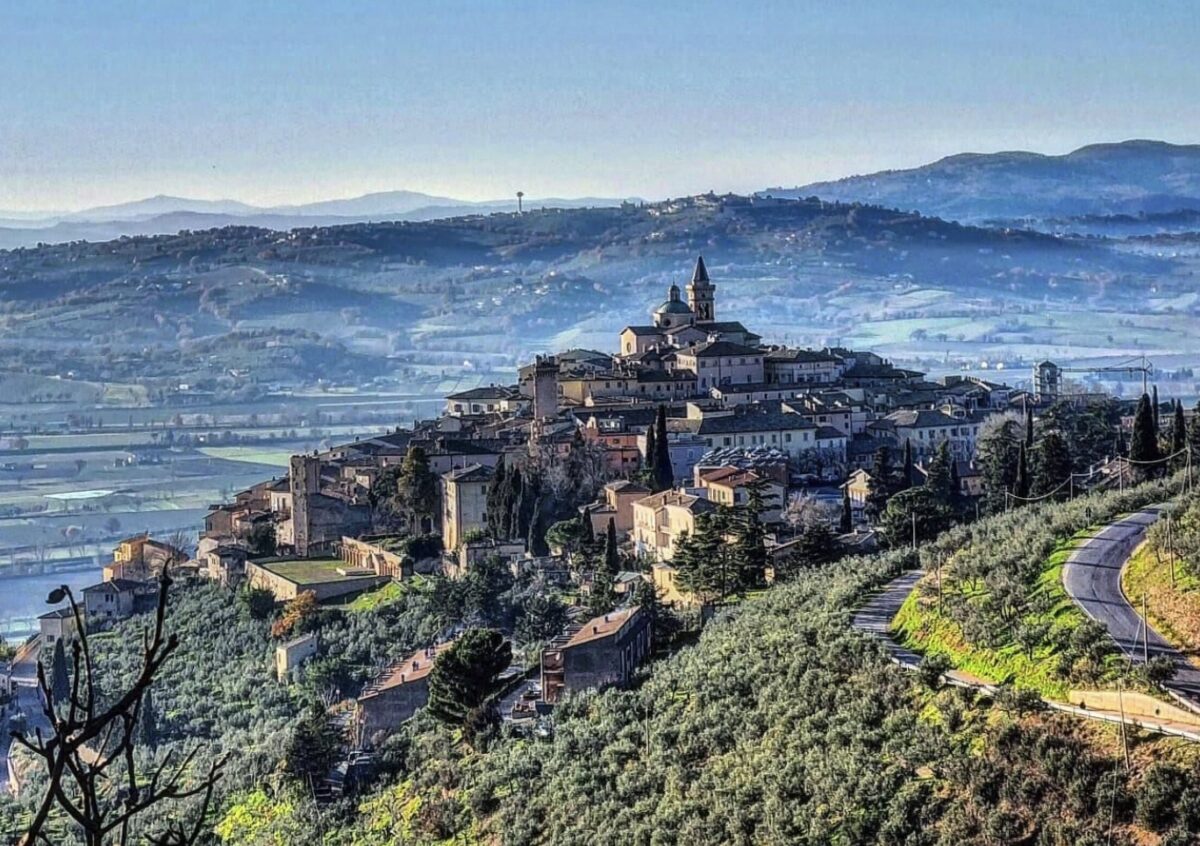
[
  {"x": 238, "y": 306},
  {"x": 1002, "y": 613},
  {"x": 781, "y": 726}
]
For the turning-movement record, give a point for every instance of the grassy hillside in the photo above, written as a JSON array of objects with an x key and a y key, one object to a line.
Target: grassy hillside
[{"x": 781, "y": 725}]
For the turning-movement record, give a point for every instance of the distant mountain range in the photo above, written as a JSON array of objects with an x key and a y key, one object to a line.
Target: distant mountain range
[
  {"x": 166, "y": 215},
  {"x": 1128, "y": 178}
]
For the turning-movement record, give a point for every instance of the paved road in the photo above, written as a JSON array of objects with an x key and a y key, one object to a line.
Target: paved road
[
  {"x": 876, "y": 616},
  {"x": 28, "y": 700},
  {"x": 1092, "y": 578}
]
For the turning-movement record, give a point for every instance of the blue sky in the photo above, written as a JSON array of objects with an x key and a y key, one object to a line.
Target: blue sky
[{"x": 273, "y": 102}]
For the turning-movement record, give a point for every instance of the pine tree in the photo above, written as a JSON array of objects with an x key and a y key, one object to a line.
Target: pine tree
[
  {"x": 906, "y": 475},
  {"x": 466, "y": 675},
  {"x": 846, "y": 524},
  {"x": 1143, "y": 447},
  {"x": 417, "y": 491},
  {"x": 939, "y": 476},
  {"x": 1021, "y": 485},
  {"x": 751, "y": 541},
  {"x": 700, "y": 562},
  {"x": 664, "y": 475},
  {"x": 1051, "y": 464}
]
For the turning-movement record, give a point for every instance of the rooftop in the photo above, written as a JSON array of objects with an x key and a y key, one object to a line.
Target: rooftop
[
  {"x": 753, "y": 422},
  {"x": 718, "y": 348},
  {"x": 601, "y": 627},
  {"x": 922, "y": 418},
  {"x": 413, "y": 668},
  {"x": 470, "y": 473},
  {"x": 314, "y": 571},
  {"x": 489, "y": 392}
]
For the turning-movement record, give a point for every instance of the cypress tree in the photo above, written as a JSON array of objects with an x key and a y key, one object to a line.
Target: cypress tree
[
  {"x": 1157, "y": 421},
  {"x": 664, "y": 475},
  {"x": 906, "y": 475},
  {"x": 1193, "y": 437},
  {"x": 651, "y": 455},
  {"x": 587, "y": 536},
  {"x": 536, "y": 540},
  {"x": 881, "y": 481},
  {"x": 60, "y": 680},
  {"x": 612, "y": 560},
  {"x": 955, "y": 481},
  {"x": 1028, "y": 428},
  {"x": 495, "y": 499},
  {"x": 846, "y": 524},
  {"x": 1021, "y": 486},
  {"x": 512, "y": 496},
  {"x": 1178, "y": 429},
  {"x": 148, "y": 723},
  {"x": 1143, "y": 446}
]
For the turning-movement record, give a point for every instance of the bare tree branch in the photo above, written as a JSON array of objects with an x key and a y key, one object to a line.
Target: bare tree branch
[{"x": 78, "y": 783}]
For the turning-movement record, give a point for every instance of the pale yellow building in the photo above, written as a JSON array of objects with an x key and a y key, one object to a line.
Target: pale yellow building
[
  {"x": 464, "y": 503},
  {"x": 661, "y": 519},
  {"x": 730, "y": 486}
]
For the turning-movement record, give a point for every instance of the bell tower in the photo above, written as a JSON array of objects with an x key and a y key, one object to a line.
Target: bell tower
[{"x": 702, "y": 294}]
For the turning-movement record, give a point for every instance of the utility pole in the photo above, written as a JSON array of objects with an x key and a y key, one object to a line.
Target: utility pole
[
  {"x": 1124, "y": 738},
  {"x": 1145, "y": 632},
  {"x": 1171, "y": 547}
]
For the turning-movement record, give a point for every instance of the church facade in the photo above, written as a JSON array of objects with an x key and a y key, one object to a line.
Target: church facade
[{"x": 677, "y": 324}]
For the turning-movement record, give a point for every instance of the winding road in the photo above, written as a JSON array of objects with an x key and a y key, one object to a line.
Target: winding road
[{"x": 1092, "y": 578}]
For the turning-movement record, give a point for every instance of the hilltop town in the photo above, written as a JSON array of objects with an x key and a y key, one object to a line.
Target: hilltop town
[
  {"x": 558, "y": 536},
  {"x": 695, "y": 434}
]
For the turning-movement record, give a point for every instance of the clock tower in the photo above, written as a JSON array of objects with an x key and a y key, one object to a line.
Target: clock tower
[{"x": 701, "y": 294}]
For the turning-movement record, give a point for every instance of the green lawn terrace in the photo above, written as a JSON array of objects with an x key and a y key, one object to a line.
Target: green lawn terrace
[{"x": 327, "y": 578}]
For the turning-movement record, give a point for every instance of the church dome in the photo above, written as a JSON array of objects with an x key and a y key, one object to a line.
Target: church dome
[{"x": 673, "y": 307}]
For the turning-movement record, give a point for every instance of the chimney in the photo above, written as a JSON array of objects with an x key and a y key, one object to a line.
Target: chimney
[
  {"x": 595, "y": 630},
  {"x": 416, "y": 665}
]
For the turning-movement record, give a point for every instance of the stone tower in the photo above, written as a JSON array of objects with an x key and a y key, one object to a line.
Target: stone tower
[
  {"x": 702, "y": 294},
  {"x": 1047, "y": 381},
  {"x": 305, "y": 480},
  {"x": 545, "y": 387}
]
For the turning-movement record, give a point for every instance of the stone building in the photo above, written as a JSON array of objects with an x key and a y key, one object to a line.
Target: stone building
[
  {"x": 292, "y": 654},
  {"x": 464, "y": 503},
  {"x": 602, "y": 652},
  {"x": 394, "y": 696}
]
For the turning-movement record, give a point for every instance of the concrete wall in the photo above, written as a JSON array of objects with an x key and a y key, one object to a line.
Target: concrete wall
[
  {"x": 1134, "y": 704},
  {"x": 382, "y": 712},
  {"x": 258, "y": 576}
]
